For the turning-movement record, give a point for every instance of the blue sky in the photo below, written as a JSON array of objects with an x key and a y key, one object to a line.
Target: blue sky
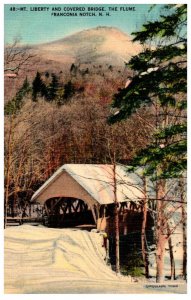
[{"x": 35, "y": 27}]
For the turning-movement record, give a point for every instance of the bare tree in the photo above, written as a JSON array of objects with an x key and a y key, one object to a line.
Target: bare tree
[
  {"x": 116, "y": 214},
  {"x": 16, "y": 57},
  {"x": 182, "y": 185}
]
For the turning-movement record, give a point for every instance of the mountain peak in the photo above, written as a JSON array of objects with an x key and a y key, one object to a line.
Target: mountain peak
[{"x": 102, "y": 44}]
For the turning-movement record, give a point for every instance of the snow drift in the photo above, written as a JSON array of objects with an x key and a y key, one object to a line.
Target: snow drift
[{"x": 40, "y": 259}]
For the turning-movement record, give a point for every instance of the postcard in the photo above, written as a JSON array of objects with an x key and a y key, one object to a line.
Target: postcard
[{"x": 95, "y": 122}]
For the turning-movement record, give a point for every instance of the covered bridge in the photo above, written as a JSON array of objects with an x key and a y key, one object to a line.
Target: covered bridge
[{"x": 83, "y": 195}]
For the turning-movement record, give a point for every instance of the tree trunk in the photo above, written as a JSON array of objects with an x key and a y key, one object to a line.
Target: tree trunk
[
  {"x": 160, "y": 261},
  {"x": 184, "y": 230},
  {"x": 117, "y": 261},
  {"x": 160, "y": 230},
  {"x": 171, "y": 253},
  {"x": 184, "y": 268},
  {"x": 143, "y": 232},
  {"x": 172, "y": 261},
  {"x": 8, "y": 164},
  {"x": 116, "y": 213}
]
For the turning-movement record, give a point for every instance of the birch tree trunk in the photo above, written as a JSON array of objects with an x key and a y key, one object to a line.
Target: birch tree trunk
[
  {"x": 143, "y": 232},
  {"x": 160, "y": 230}
]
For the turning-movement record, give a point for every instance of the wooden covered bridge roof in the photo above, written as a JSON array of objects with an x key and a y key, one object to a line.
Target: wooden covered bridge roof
[{"x": 91, "y": 183}]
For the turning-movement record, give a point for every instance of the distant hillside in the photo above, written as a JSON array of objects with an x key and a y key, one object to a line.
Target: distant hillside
[
  {"x": 98, "y": 45},
  {"x": 95, "y": 50}
]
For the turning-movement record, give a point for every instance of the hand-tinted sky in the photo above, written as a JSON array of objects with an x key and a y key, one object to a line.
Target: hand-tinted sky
[{"x": 40, "y": 26}]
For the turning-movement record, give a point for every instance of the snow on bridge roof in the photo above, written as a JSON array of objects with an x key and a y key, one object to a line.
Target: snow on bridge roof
[{"x": 98, "y": 182}]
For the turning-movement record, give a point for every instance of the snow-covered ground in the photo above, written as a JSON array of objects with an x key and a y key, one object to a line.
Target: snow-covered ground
[{"x": 46, "y": 260}]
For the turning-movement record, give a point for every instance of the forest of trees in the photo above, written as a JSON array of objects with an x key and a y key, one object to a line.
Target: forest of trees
[
  {"x": 159, "y": 82},
  {"x": 95, "y": 118},
  {"x": 50, "y": 122}
]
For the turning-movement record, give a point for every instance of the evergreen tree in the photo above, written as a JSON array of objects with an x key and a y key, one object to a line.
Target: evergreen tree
[
  {"x": 26, "y": 86},
  {"x": 160, "y": 83},
  {"x": 69, "y": 90},
  {"x": 17, "y": 102},
  {"x": 53, "y": 88},
  {"x": 38, "y": 87}
]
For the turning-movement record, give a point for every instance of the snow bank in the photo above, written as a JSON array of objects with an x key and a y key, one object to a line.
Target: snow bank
[{"x": 38, "y": 258}]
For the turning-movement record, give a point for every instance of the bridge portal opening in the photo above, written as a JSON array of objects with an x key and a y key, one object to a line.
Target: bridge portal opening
[{"x": 68, "y": 212}]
